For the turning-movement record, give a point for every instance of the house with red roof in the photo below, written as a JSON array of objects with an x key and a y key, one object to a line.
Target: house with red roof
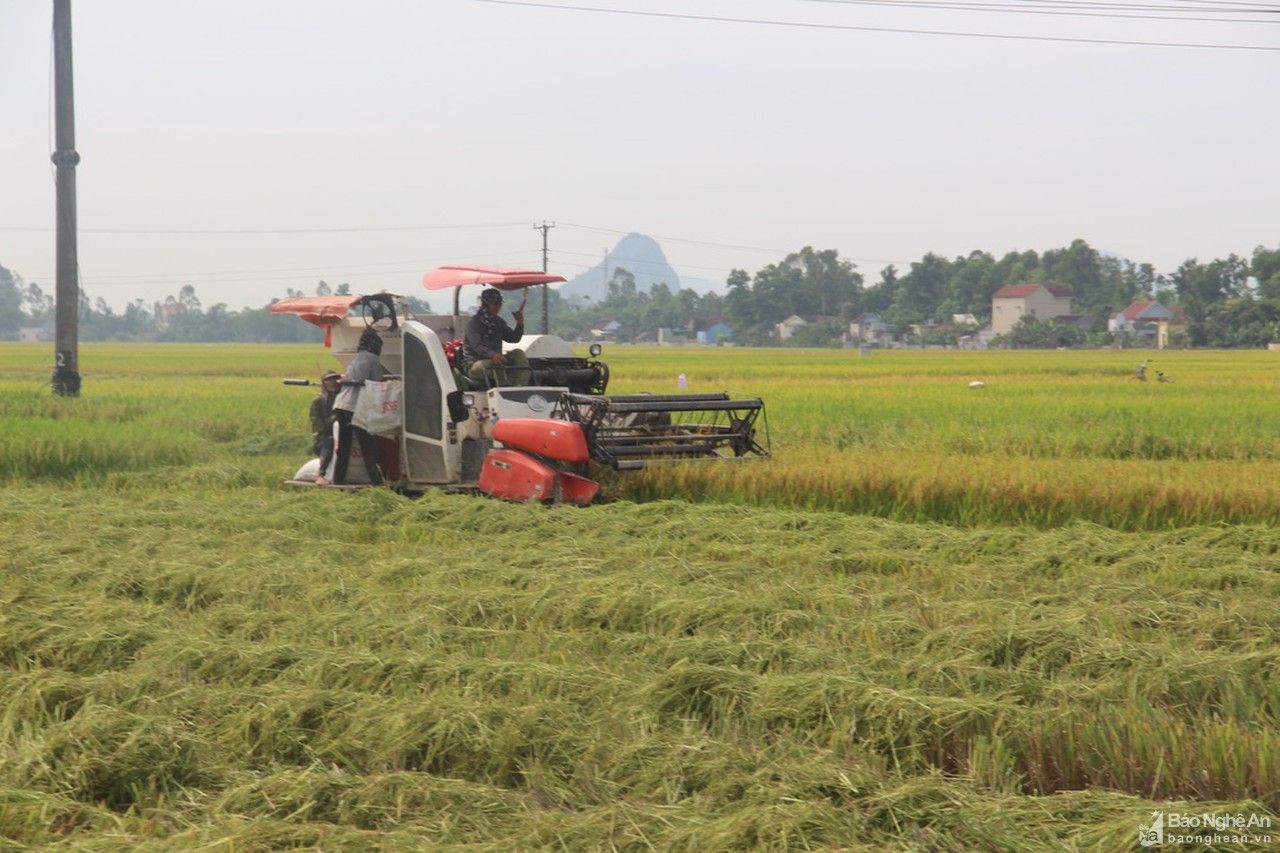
[
  {"x": 1141, "y": 318},
  {"x": 1009, "y": 304}
]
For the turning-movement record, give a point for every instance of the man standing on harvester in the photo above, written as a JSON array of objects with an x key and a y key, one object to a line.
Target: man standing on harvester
[
  {"x": 482, "y": 349},
  {"x": 365, "y": 366}
]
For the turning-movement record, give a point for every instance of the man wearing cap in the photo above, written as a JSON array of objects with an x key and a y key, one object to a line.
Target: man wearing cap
[
  {"x": 482, "y": 348},
  {"x": 322, "y": 420}
]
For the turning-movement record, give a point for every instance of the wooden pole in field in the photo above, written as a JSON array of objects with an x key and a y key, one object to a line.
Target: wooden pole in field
[{"x": 66, "y": 347}]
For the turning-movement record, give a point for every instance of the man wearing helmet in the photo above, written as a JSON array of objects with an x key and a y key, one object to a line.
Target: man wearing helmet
[{"x": 482, "y": 353}]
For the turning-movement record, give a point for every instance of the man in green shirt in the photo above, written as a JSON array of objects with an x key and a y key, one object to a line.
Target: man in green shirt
[{"x": 482, "y": 356}]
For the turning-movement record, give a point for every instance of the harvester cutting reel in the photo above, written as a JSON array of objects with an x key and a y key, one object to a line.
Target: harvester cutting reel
[
  {"x": 627, "y": 432},
  {"x": 624, "y": 432}
]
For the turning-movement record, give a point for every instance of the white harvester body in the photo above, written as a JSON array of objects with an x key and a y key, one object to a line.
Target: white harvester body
[{"x": 530, "y": 441}]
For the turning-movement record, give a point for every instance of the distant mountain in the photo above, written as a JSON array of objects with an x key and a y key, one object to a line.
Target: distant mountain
[{"x": 639, "y": 255}]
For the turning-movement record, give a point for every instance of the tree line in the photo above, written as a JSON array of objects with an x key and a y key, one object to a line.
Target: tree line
[
  {"x": 178, "y": 317},
  {"x": 1226, "y": 302}
]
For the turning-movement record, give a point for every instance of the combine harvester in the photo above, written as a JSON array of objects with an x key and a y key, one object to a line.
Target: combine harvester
[{"x": 520, "y": 443}]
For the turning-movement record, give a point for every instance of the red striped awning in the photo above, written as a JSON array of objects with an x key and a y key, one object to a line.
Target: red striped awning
[
  {"x": 317, "y": 310},
  {"x": 503, "y": 279}
]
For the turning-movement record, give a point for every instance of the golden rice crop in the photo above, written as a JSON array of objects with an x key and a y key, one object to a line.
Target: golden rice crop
[{"x": 1052, "y": 437}]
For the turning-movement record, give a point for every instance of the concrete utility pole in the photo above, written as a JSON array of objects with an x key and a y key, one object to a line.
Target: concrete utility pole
[
  {"x": 66, "y": 347},
  {"x": 546, "y": 319}
]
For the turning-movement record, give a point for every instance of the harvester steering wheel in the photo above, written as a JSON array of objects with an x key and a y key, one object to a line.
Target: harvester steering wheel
[{"x": 374, "y": 309}]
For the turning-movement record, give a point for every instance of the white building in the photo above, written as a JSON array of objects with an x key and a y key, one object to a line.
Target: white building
[
  {"x": 44, "y": 333},
  {"x": 1012, "y": 302}
]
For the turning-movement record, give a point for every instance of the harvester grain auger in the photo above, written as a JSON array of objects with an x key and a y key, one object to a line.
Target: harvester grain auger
[{"x": 528, "y": 442}]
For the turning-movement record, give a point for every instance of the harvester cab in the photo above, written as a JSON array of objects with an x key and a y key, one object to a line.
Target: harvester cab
[{"x": 532, "y": 441}]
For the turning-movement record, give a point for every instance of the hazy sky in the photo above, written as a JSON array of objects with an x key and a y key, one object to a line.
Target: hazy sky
[{"x": 758, "y": 139}]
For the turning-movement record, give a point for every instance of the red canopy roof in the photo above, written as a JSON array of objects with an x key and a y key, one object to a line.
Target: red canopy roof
[
  {"x": 317, "y": 310},
  {"x": 456, "y": 276}
]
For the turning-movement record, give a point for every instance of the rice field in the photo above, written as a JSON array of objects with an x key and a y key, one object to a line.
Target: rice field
[{"x": 1021, "y": 617}]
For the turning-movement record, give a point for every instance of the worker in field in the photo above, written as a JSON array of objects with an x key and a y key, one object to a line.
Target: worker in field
[
  {"x": 482, "y": 347},
  {"x": 365, "y": 366},
  {"x": 322, "y": 421}
]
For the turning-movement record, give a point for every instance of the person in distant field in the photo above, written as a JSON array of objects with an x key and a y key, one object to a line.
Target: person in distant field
[
  {"x": 482, "y": 348},
  {"x": 322, "y": 421},
  {"x": 365, "y": 366}
]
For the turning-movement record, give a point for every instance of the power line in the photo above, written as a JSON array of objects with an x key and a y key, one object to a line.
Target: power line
[
  {"x": 223, "y": 231},
  {"x": 335, "y": 269},
  {"x": 1048, "y": 9},
  {"x": 1191, "y": 7},
  {"x": 856, "y": 28},
  {"x": 332, "y": 269},
  {"x": 683, "y": 266},
  {"x": 616, "y": 258},
  {"x": 764, "y": 249},
  {"x": 411, "y": 265},
  {"x": 1246, "y": 6},
  {"x": 674, "y": 239}
]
